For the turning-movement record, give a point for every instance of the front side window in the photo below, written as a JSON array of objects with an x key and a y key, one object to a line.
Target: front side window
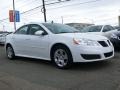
[
  {"x": 22, "y": 30},
  {"x": 34, "y": 28}
]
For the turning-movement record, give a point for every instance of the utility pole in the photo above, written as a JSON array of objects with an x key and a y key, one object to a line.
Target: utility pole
[
  {"x": 44, "y": 10},
  {"x": 14, "y": 15}
]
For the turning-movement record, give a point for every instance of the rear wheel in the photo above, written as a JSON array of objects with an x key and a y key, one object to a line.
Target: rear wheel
[
  {"x": 10, "y": 52},
  {"x": 62, "y": 57}
]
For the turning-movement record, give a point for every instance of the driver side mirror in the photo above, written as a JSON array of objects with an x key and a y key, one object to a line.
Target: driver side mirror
[{"x": 39, "y": 33}]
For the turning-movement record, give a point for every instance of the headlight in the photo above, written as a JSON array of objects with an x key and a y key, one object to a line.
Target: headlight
[
  {"x": 114, "y": 36},
  {"x": 87, "y": 42}
]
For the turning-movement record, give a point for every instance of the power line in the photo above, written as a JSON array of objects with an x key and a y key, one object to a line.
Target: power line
[
  {"x": 75, "y": 4},
  {"x": 10, "y": 4},
  {"x": 49, "y": 0},
  {"x": 57, "y": 7},
  {"x": 31, "y": 9},
  {"x": 25, "y": 4},
  {"x": 41, "y": 6},
  {"x": 54, "y": 8},
  {"x": 17, "y": 4},
  {"x": 34, "y": 8}
]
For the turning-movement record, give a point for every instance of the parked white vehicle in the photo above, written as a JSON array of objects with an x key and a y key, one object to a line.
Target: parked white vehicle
[
  {"x": 105, "y": 30},
  {"x": 2, "y": 37},
  {"x": 60, "y": 43}
]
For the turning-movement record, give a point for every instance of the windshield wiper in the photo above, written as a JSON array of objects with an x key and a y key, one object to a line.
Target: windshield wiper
[
  {"x": 64, "y": 32},
  {"x": 70, "y": 32},
  {"x": 76, "y": 32}
]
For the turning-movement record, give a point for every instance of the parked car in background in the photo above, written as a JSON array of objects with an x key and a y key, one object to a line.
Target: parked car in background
[
  {"x": 99, "y": 29},
  {"x": 117, "y": 27},
  {"x": 3, "y": 36},
  {"x": 115, "y": 39},
  {"x": 59, "y": 43},
  {"x": 105, "y": 30}
]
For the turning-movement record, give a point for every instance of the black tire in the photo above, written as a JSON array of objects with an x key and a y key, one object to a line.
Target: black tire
[
  {"x": 10, "y": 52},
  {"x": 65, "y": 59}
]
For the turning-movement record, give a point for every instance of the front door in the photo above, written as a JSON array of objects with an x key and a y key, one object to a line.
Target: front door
[{"x": 38, "y": 45}]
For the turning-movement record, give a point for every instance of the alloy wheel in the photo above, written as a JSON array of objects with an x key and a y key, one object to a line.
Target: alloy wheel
[{"x": 61, "y": 57}]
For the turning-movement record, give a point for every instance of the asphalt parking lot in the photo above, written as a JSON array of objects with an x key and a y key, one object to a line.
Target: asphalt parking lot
[{"x": 32, "y": 74}]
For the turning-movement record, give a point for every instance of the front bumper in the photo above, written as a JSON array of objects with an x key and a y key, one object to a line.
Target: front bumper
[{"x": 90, "y": 54}]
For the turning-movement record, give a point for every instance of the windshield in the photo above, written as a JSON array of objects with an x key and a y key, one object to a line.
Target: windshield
[
  {"x": 108, "y": 28},
  {"x": 60, "y": 28},
  {"x": 92, "y": 29}
]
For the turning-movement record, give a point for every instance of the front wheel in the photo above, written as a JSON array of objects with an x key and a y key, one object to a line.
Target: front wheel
[
  {"x": 62, "y": 57},
  {"x": 10, "y": 52}
]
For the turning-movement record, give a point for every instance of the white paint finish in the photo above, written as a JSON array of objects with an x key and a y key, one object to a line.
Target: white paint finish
[{"x": 39, "y": 46}]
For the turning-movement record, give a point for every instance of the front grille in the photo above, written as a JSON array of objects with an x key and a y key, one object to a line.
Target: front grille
[
  {"x": 108, "y": 54},
  {"x": 91, "y": 56},
  {"x": 103, "y": 43},
  {"x": 109, "y": 42}
]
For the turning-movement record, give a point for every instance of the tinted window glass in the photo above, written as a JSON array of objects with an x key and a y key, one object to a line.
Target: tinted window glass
[
  {"x": 59, "y": 28},
  {"x": 22, "y": 30},
  {"x": 34, "y": 28}
]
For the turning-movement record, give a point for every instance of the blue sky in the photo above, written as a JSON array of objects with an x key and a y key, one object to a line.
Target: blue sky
[{"x": 81, "y": 11}]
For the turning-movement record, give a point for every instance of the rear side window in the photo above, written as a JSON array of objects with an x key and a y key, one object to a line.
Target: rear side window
[{"x": 22, "y": 30}]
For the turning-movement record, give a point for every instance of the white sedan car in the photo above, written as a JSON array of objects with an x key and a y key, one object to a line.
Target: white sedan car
[{"x": 59, "y": 43}]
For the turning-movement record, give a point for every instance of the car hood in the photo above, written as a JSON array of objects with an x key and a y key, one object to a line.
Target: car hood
[
  {"x": 106, "y": 34},
  {"x": 84, "y": 35},
  {"x": 95, "y": 33}
]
